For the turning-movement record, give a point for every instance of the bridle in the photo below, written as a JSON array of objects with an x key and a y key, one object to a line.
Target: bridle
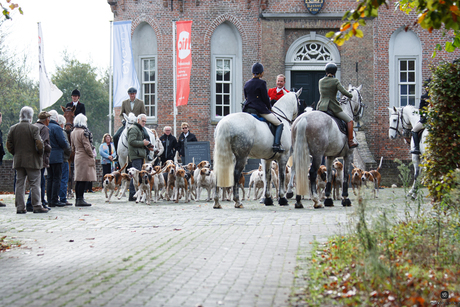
[
  {"x": 122, "y": 143},
  {"x": 404, "y": 124},
  {"x": 347, "y": 101},
  {"x": 283, "y": 115}
]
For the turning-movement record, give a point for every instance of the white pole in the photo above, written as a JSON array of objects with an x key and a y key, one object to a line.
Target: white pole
[
  {"x": 110, "y": 81},
  {"x": 174, "y": 76}
]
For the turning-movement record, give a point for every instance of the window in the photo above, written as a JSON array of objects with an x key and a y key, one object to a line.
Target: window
[
  {"x": 223, "y": 86},
  {"x": 149, "y": 86},
  {"x": 407, "y": 82}
]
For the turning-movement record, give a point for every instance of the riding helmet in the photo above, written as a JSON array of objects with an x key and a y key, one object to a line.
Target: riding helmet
[
  {"x": 257, "y": 68},
  {"x": 330, "y": 68},
  {"x": 132, "y": 90},
  {"x": 75, "y": 92}
]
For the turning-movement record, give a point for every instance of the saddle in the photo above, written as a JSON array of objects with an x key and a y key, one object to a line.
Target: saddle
[
  {"x": 257, "y": 116},
  {"x": 341, "y": 124}
]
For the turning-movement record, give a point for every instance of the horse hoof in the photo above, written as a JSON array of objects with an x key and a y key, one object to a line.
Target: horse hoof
[
  {"x": 268, "y": 201},
  {"x": 346, "y": 202},
  {"x": 298, "y": 206},
  {"x": 283, "y": 201},
  {"x": 240, "y": 206},
  {"x": 328, "y": 202},
  {"x": 289, "y": 195},
  {"x": 218, "y": 206}
]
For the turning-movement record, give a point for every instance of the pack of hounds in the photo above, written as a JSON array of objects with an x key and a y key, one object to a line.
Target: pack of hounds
[{"x": 174, "y": 181}]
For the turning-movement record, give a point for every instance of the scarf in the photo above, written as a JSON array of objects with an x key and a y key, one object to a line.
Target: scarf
[{"x": 88, "y": 134}]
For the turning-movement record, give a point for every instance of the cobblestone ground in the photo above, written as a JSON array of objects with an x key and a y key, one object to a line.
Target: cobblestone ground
[{"x": 166, "y": 254}]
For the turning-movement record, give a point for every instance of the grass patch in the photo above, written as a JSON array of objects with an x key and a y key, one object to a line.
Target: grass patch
[{"x": 388, "y": 259}]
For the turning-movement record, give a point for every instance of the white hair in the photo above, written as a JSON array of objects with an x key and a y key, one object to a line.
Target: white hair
[
  {"x": 80, "y": 120},
  {"x": 26, "y": 114},
  {"x": 54, "y": 115},
  {"x": 61, "y": 120},
  {"x": 140, "y": 116}
]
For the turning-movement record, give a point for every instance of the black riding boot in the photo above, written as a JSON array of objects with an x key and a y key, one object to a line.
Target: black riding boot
[
  {"x": 416, "y": 138},
  {"x": 277, "y": 142}
]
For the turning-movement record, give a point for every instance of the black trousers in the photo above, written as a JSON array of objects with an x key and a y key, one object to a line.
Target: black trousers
[
  {"x": 54, "y": 182},
  {"x": 80, "y": 187}
]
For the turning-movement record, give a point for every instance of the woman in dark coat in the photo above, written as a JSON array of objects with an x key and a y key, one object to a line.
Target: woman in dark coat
[{"x": 258, "y": 102}]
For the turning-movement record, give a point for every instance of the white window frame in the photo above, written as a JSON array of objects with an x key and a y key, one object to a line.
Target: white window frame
[
  {"x": 214, "y": 116},
  {"x": 407, "y": 82},
  {"x": 150, "y": 119}
]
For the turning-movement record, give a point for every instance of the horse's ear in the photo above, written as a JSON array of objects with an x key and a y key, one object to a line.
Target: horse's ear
[
  {"x": 299, "y": 92},
  {"x": 126, "y": 117},
  {"x": 73, "y": 109},
  {"x": 360, "y": 87},
  {"x": 350, "y": 87},
  {"x": 395, "y": 110},
  {"x": 63, "y": 109}
]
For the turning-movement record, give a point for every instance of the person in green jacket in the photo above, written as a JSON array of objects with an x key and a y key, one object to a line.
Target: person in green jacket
[
  {"x": 328, "y": 87},
  {"x": 136, "y": 148}
]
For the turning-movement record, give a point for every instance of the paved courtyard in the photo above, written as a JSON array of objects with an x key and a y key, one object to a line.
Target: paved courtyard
[{"x": 166, "y": 254}]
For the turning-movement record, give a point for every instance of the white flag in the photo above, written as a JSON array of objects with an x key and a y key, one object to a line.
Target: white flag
[
  {"x": 124, "y": 72},
  {"x": 49, "y": 93}
]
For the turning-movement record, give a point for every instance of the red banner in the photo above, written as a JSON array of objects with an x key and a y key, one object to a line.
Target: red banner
[{"x": 183, "y": 60}]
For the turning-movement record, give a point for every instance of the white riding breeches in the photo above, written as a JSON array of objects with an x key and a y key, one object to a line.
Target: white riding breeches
[
  {"x": 417, "y": 127},
  {"x": 271, "y": 118}
]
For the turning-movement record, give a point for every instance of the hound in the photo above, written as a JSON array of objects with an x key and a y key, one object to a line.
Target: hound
[
  {"x": 337, "y": 180},
  {"x": 321, "y": 181},
  {"x": 373, "y": 176},
  {"x": 112, "y": 181},
  {"x": 133, "y": 174},
  {"x": 356, "y": 175},
  {"x": 205, "y": 180},
  {"x": 144, "y": 191},
  {"x": 171, "y": 181},
  {"x": 182, "y": 184},
  {"x": 256, "y": 180},
  {"x": 158, "y": 182}
]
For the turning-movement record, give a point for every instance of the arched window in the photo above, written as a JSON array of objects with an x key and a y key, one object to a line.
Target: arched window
[
  {"x": 226, "y": 65},
  {"x": 144, "y": 44},
  {"x": 405, "y": 69}
]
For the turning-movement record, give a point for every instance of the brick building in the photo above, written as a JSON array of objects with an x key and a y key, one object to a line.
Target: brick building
[{"x": 228, "y": 36}]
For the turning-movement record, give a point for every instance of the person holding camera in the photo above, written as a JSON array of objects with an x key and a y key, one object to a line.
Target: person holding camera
[{"x": 137, "y": 146}]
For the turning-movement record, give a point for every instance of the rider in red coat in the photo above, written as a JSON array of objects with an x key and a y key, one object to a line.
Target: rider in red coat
[{"x": 276, "y": 93}]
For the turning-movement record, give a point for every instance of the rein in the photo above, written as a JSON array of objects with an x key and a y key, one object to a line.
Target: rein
[
  {"x": 403, "y": 122},
  {"x": 283, "y": 116},
  {"x": 347, "y": 100}
]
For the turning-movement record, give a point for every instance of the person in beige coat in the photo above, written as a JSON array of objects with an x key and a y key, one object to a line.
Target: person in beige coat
[
  {"x": 85, "y": 158},
  {"x": 26, "y": 146}
]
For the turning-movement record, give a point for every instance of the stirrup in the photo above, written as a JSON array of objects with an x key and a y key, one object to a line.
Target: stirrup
[
  {"x": 415, "y": 152},
  {"x": 278, "y": 148}
]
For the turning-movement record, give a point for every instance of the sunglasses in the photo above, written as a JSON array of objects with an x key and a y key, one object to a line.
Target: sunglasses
[{"x": 184, "y": 127}]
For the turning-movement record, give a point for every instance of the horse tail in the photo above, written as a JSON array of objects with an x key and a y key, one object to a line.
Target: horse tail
[
  {"x": 301, "y": 157},
  {"x": 223, "y": 156}
]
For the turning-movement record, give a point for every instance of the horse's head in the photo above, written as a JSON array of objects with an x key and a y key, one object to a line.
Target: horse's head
[
  {"x": 394, "y": 122},
  {"x": 130, "y": 119},
  {"x": 287, "y": 106},
  {"x": 357, "y": 104},
  {"x": 69, "y": 115}
]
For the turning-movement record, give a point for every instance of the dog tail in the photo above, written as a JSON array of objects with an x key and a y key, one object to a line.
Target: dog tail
[
  {"x": 380, "y": 165},
  {"x": 124, "y": 166},
  {"x": 301, "y": 156},
  {"x": 224, "y": 164}
]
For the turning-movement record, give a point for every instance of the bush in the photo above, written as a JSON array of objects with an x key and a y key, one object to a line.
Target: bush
[{"x": 443, "y": 121}]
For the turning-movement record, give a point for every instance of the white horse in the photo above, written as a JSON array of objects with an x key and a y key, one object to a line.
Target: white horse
[
  {"x": 405, "y": 118},
  {"x": 316, "y": 134},
  {"x": 122, "y": 150},
  {"x": 240, "y": 135}
]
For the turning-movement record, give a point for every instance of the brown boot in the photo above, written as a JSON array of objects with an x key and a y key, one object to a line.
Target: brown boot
[{"x": 351, "y": 144}]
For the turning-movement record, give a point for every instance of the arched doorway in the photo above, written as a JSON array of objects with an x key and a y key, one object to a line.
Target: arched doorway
[{"x": 305, "y": 61}]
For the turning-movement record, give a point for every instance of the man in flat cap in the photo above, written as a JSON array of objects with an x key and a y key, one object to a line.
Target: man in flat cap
[
  {"x": 42, "y": 124},
  {"x": 79, "y": 107}
]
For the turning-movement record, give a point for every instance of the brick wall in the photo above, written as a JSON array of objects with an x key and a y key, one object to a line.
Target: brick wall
[{"x": 7, "y": 176}]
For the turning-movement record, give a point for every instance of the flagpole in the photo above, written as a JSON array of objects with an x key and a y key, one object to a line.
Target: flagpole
[
  {"x": 174, "y": 74},
  {"x": 110, "y": 81},
  {"x": 39, "y": 97}
]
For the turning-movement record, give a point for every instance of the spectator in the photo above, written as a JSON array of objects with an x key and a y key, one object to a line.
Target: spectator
[
  {"x": 65, "y": 164},
  {"x": 136, "y": 148},
  {"x": 169, "y": 143},
  {"x": 85, "y": 158},
  {"x": 26, "y": 146},
  {"x": 79, "y": 107},
  {"x": 108, "y": 153},
  {"x": 58, "y": 145},
  {"x": 42, "y": 124},
  {"x": 2, "y": 152},
  {"x": 184, "y": 137}
]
